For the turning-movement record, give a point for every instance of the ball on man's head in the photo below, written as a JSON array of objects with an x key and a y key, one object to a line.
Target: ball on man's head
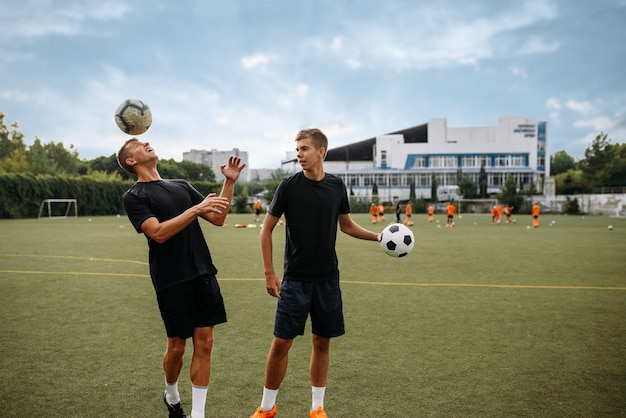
[
  {"x": 133, "y": 117},
  {"x": 397, "y": 240}
]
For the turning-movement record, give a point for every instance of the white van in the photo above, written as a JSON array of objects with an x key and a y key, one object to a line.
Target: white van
[{"x": 447, "y": 193}]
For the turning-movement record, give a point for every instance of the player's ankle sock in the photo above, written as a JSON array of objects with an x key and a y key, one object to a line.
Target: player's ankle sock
[
  {"x": 317, "y": 398},
  {"x": 171, "y": 392},
  {"x": 269, "y": 399},
  {"x": 198, "y": 400}
]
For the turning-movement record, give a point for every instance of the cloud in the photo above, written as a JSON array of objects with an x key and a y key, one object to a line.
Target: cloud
[
  {"x": 603, "y": 123},
  {"x": 36, "y": 21},
  {"x": 302, "y": 90},
  {"x": 353, "y": 63},
  {"x": 444, "y": 37},
  {"x": 583, "y": 108},
  {"x": 553, "y": 104},
  {"x": 337, "y": 42},
  {"x": 257, "y": 60},
  {"x": 537, "y": 45}
]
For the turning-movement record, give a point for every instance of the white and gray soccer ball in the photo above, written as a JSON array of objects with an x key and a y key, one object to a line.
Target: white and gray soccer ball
[
  {"x": 397, "y": 240},
  {"x": 133, "y": 117}
]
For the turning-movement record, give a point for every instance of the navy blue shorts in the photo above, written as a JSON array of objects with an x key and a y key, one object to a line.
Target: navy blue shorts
[
  {"x": 298, "y": 299},
  {"x": 194, "y": 304}
]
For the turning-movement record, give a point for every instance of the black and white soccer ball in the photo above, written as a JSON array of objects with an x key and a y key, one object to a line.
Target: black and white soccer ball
[
  {"x": 397, "y": 240},
  {"x": 133, "y": 117}
]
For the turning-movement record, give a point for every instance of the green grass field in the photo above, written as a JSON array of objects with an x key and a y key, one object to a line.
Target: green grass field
[{"x": 479, "y": 320}]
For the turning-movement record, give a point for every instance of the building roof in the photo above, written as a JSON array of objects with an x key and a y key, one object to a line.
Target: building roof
[
  {"x": 413, "y": 135},
  {"x": 357, "y": 151},
  {"x": 364, "y": 150}
]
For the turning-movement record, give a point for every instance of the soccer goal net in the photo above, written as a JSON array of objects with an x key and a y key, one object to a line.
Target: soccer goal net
[
  {"x": 58, "y": 209},
  {"x": 476, "y": 205}
]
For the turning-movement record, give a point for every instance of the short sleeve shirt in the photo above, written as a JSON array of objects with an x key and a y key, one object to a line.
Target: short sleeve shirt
[
  {"x": 186, "y": 255},
  {"x": 312, "y": 210}
]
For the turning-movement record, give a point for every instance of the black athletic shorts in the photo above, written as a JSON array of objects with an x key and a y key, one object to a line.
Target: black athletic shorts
[
  {"x": 298, "y": 299},
  {"x": 194, "y": 304}
]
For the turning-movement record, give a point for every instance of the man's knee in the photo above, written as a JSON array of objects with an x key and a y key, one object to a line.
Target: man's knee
[
  {"x": 175, "y": 348},
  {"x": 280, "y": 347},
  {"x": 321, "y": 344},
  {"x": 203, "y": 340}
]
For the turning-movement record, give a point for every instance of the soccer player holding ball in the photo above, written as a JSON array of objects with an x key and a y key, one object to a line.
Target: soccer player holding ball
[
  {"x": 313, "y": 203},
  {"x": 181, "y": 268}
]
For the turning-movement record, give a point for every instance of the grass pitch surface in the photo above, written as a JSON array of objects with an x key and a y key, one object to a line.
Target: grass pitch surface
[{"x": 480, "y": 320}]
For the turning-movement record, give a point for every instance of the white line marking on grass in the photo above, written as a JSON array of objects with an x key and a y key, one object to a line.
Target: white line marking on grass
[
  {"x": 496, "y": 286},
  {"x": 73, "y": 257}
]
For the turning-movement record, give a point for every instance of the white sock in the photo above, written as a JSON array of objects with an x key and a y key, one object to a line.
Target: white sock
[
  {"x": 317, "y": 397},
  {"x": 269, "y": 399},
  {"x": 171, "y": 392},
  {"x": 198, "y": 400}
]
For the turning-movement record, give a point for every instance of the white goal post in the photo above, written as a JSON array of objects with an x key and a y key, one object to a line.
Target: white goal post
[
  {"x": 467, "y": 206},
  {"x": 54, "y": 209}
]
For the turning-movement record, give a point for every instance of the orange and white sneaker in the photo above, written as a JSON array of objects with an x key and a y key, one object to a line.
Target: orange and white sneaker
[
  {"x": 270, "y": 414},
  {"x": 319, "y": 413}
]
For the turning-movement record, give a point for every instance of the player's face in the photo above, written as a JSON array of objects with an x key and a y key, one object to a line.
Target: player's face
[
  {"x": 142, "y": 152},
  {"x": 308, "y": 156}
]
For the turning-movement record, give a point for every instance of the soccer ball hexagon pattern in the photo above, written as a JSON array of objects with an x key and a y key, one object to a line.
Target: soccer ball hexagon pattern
[
  {"x": 133, "y": 117},
  {"x": 397, "y": 240}
]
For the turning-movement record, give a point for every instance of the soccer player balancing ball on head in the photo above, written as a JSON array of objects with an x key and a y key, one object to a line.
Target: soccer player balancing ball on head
[
  {"x": 314, "y": 203},
  {"x": 181, "y": 267}
]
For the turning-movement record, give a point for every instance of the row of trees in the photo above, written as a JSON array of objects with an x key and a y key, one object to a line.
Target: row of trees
[
  {"x": 604, "y": 166},
  {"x": 57, "y": 160}
]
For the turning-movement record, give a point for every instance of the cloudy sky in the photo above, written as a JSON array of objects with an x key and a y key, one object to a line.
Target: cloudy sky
[{"x": 248, "y": 74}]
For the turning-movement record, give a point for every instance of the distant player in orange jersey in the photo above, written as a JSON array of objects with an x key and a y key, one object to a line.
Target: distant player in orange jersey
[
  {"x": 494, "y": 214},
  {"x": 408, "y": 210},
  {"x": 507, "y": 212},
  {"x": 374, "y": 212},
  {"x": 257, "y": 210},
  {"x": 381, "y": 213},
  {"x": 431, "y": 213},
  {"x": 536, "y": 212},
  {"x": 451, "y": 210}
]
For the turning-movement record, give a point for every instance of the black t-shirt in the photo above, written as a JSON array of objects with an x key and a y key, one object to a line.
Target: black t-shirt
[
  {"x": 312, "y": 210},
  {"x": 186, "y": 255}
]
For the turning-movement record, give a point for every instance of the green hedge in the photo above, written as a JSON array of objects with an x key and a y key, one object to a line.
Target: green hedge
[{"x": 21, "y": 194}]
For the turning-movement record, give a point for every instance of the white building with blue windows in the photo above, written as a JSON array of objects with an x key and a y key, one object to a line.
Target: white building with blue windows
[{"x": 417, "y": 155}]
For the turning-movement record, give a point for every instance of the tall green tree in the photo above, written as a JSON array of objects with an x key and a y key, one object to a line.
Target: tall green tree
[
  {"x": 467, "y": 188},
  {"x": 509, "y": 193},
  {"x": 10, "y": 139},
  {"x": 616, "y": 172},
  {"x": 561, "y": 162},
  {"x": 482, "y": 182},
  {"x": 66, "y": 159},
  {"x": 275, "y": 178},
  {"x": 16, "y": 162},
  {"x": 433, "y": 187},
  {"x": 107, "y": 164},
  {"x": 38, "y": 160},
  {"x": 598, "y": 157},
  {"x": 570, "y": 182}
]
